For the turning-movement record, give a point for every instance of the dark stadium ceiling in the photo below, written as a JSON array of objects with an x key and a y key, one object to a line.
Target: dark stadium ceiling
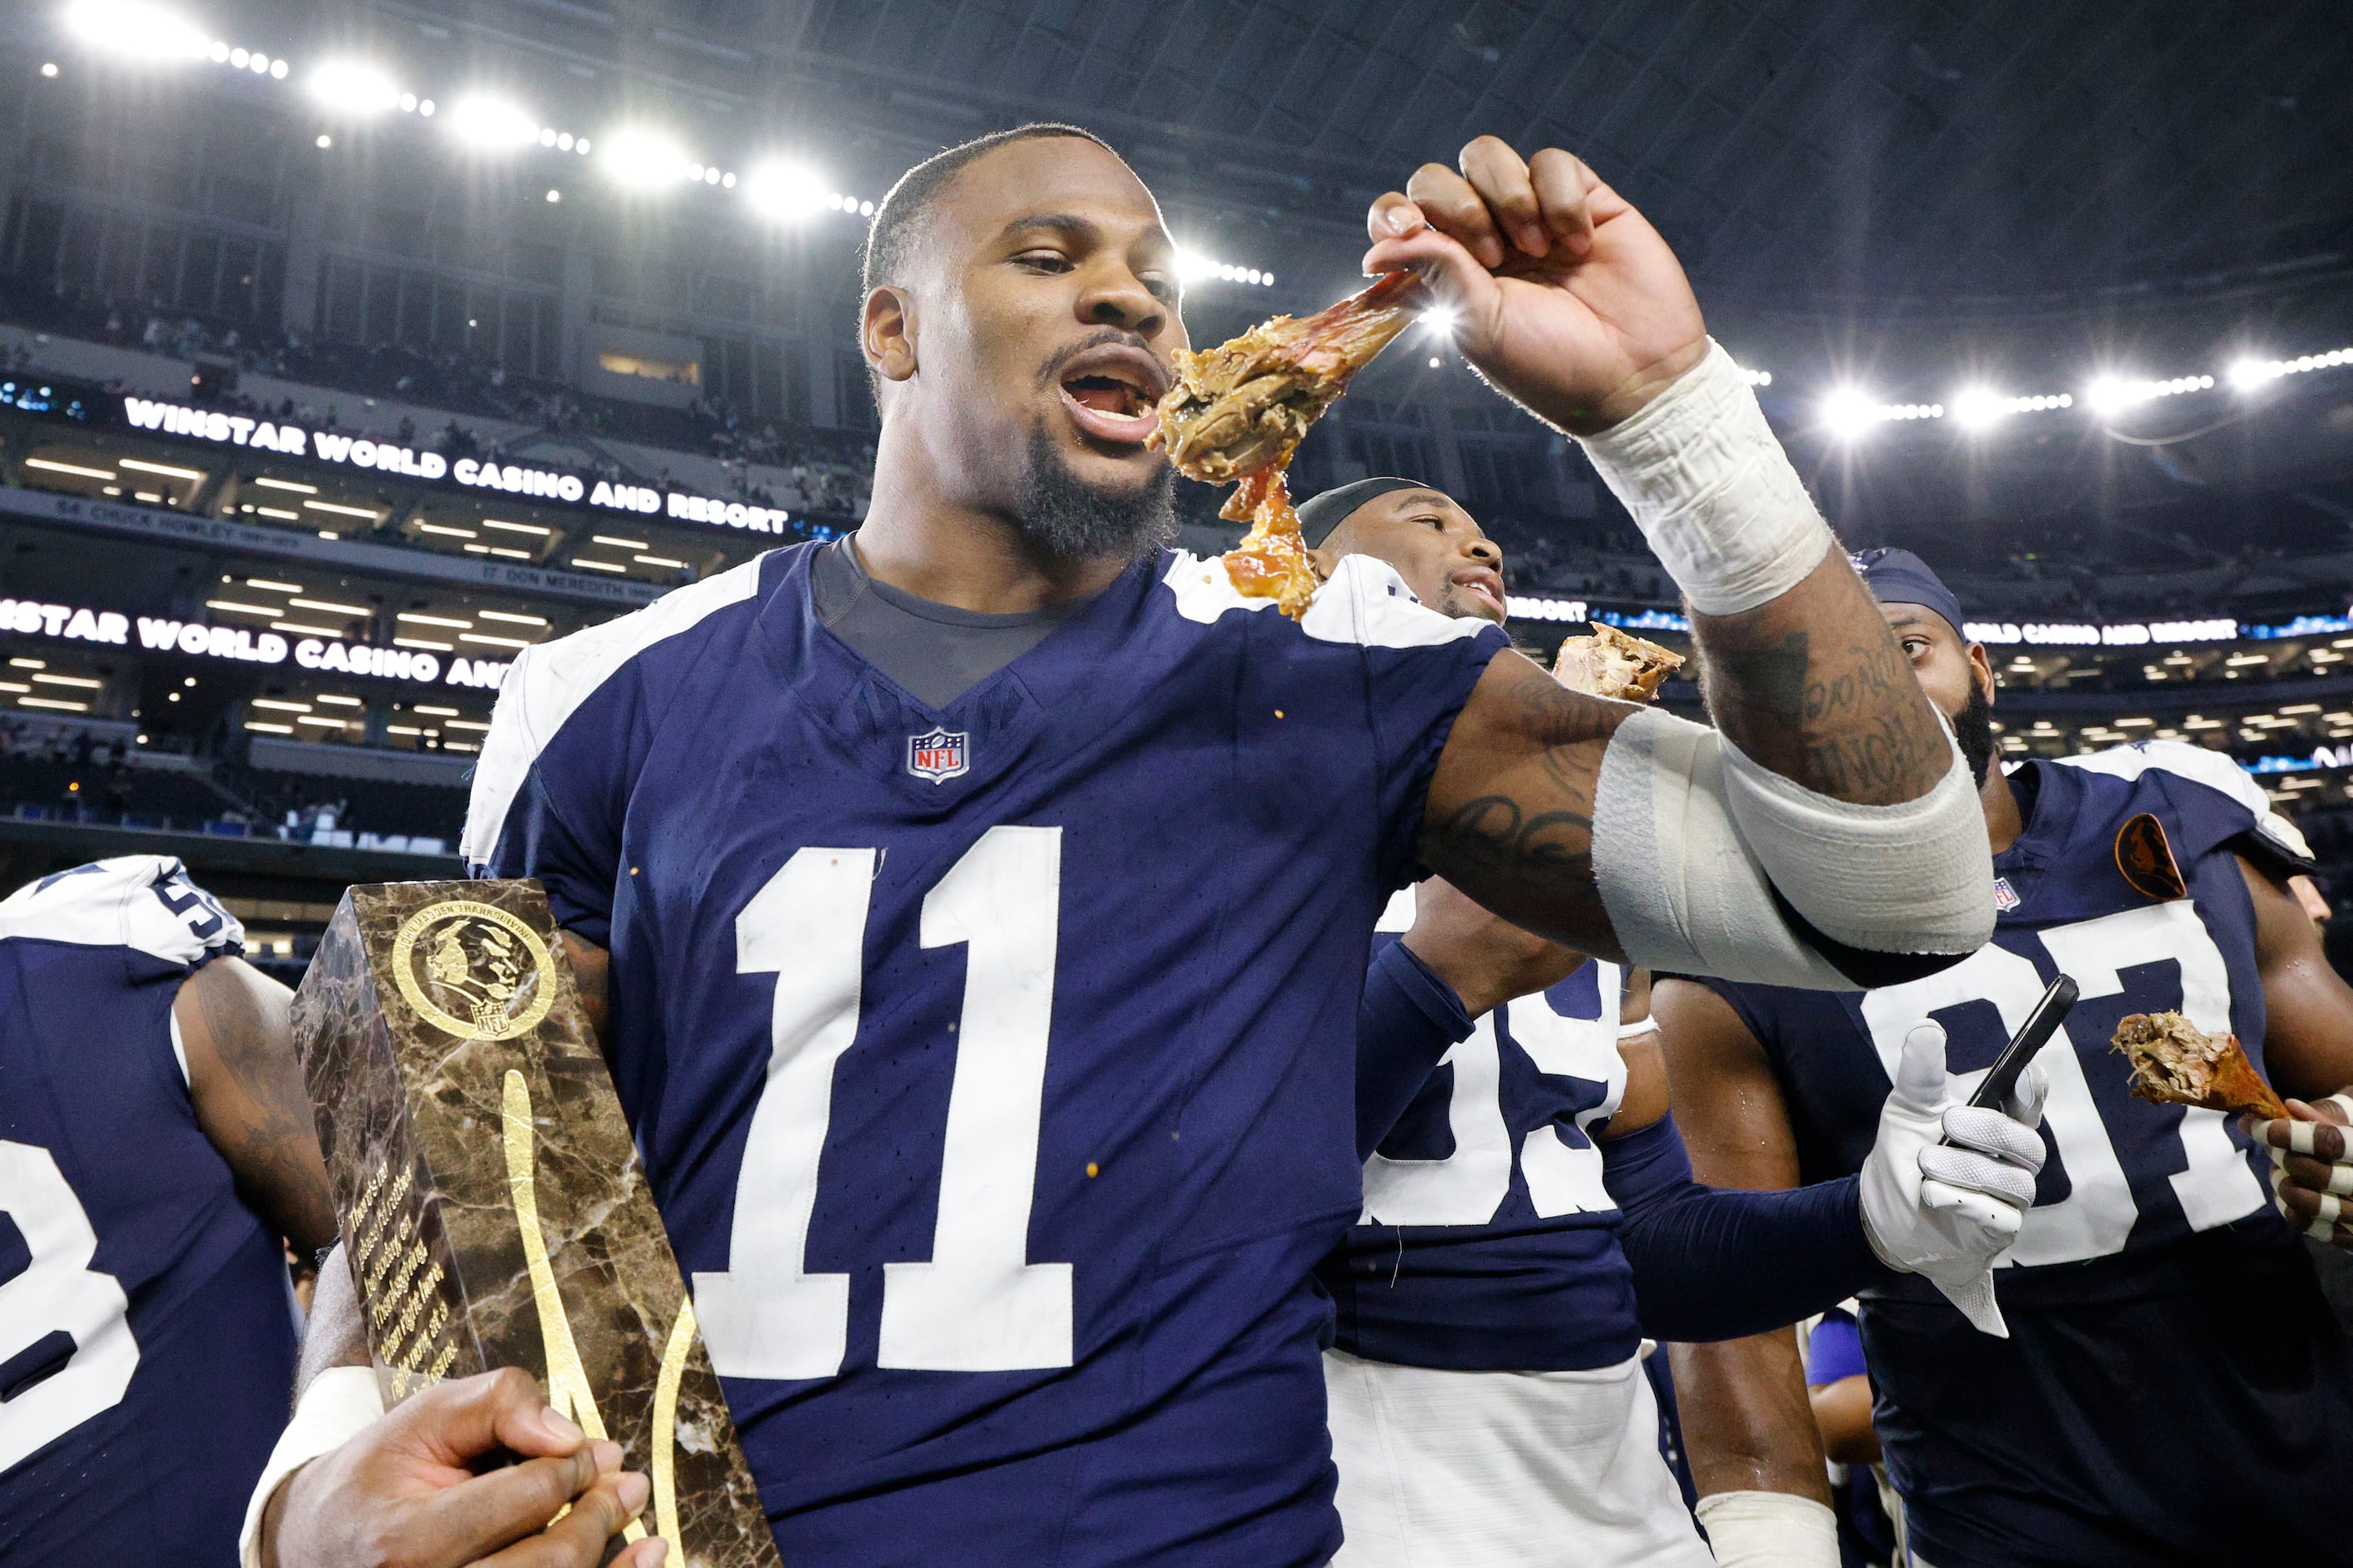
[{"x": 1885, "y": 156}]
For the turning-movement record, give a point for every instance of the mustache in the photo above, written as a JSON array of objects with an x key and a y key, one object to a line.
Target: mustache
[{"x": 1050, "y": 373}]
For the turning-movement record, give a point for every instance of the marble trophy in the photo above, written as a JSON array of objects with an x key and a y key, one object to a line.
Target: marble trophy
[{"x": 494, "y": 1212}]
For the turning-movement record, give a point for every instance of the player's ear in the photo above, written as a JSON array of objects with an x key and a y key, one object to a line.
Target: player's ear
[
  {"x": 886, "y": 332},
  {"x": 1981, "y": 670}
]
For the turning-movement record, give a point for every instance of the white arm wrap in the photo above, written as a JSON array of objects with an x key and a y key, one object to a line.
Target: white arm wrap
[
  {"x": 1691, "y": 840},
  {"x": 1712, "y": 491},
  {"x": 1768, "y": 1530},
  {"x": 338, "y": 1405}
]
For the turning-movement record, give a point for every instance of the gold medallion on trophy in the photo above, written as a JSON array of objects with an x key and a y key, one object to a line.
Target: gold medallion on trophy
[{"x": 473, "y": 970}]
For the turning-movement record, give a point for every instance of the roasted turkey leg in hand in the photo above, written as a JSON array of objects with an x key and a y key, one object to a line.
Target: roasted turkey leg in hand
[
  {"x": 1237, "y": 412},
  {"x": 1244, "y": 405},
  {"x": 2174, "y": 1062}
]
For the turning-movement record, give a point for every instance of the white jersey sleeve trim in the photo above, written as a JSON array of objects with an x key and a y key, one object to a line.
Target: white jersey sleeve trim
[
  {"x": 142, "y": 901},
  {"x": 545, "y": 685},
  {"x": 2215, "y": 770},
  {"x": 1363, "y": 602}
]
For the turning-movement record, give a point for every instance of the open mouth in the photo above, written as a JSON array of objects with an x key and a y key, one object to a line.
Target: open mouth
[
  {"x": 1485, "y": 587},
  {"x": 1111, "y": 395}
]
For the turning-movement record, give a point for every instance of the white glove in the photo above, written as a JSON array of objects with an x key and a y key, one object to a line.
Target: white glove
[{"x": 1946, "y": 1213}]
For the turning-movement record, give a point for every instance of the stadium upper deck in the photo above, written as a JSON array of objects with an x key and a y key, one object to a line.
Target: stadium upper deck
[{"x": 298, "y": 408}]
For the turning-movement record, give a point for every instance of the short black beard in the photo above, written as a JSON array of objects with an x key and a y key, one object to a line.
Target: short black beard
[
  {"x": 1973, "y": 731},
  {"x": 1065, "y": 517}
]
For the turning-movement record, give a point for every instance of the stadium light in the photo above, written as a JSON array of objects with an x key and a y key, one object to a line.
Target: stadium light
[
  {"x": 785, "y": 191},
  {"x": 2248, "y": 374},
  {"x": 1439, "y": 321},
  {"x": 644, "y": 158},
  {"x": 491, "y": 124},
  {"x": 137, "y": 31},
  {"x": 1850, "y": 412},
  {"x": 352, "y": 88},
  {"x": 1975, "y": 407},
  {"x": 1192, "y": 266},
  {"x": 2113, "y": 393}
]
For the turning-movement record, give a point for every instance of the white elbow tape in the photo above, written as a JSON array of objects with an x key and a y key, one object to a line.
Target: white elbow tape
[
  {"x": 1712, "y": 491},
  {"x": 1914, "y": 877},
  {"x": 1768, "y": 1530},
  {"x": 1688, "y": 863},
  {"x": 338, "y": 1405}
]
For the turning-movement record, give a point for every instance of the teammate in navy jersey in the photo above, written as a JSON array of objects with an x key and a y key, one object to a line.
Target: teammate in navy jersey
[
  {"x": 2174, "y": 1389},
  {"x": 980, "y": 903},
  {"x": 1530, "y": 1212},
  {"x": 155, "y": 1145}
]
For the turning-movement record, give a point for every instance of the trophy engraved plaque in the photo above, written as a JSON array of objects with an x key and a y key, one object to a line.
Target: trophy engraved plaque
[{"x": 494, "y": 1212}]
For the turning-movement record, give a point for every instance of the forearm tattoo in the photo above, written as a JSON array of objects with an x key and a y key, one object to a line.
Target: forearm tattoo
[
  {"x": 1837, "y": 710},
  {"x": 1511, "y": 817}
]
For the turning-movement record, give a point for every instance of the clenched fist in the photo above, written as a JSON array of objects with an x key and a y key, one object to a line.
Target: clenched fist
[{"x": 1561, "y": 295}]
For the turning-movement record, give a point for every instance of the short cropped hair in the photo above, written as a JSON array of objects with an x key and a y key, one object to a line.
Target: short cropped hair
[{"x": 898, "y": 218}]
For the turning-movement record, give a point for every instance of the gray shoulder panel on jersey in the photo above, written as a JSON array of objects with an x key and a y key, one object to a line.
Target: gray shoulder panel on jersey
[
  {"x": 2215, "y": 770},
  {"x": 116, "y": 903},
  {"x": 546, "y": 684}
]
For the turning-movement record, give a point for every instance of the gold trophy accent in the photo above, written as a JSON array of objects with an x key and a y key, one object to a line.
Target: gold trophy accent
[{"x": 494, "y": 1211}]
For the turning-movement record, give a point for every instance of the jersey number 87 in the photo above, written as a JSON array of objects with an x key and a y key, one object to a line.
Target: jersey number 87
[{"x": 2215, "y": 1186}]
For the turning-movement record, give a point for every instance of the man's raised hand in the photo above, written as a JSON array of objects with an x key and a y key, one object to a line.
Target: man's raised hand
[
  {"x": 1563, "y": 295},
  {"x": 403, "y": 1493}
]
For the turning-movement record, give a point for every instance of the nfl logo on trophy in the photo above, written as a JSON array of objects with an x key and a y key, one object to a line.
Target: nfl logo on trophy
[{"x": 936, "y": 754}]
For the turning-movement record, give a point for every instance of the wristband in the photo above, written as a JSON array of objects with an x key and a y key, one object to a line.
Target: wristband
[
  {"x": 1712, "y": 491},
  {"x": 340, "y": 1403},
  {"x": 1768, "y": 1530}
]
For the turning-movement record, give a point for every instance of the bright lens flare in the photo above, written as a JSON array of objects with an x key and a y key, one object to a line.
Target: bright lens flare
[
  {"x": 489, "y": 123},
  {"x": 644, "y": 158},
  {"x": 1976, "y": 407},
  {"x": 137, "y": 31},
  {"x": 1849, "y": 412},
  {"x": 785, "y": 191},
  {"x": 352, "y": 88},
  {"x": 1439, "y": 320}
]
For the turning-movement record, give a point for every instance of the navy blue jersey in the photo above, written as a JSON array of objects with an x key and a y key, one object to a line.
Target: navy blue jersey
[
  {"x": 1487, "y": 1241},
  {"x": 146, "y": 1332},
  {"x": 2010, "y": 1450},
  {"x": 993, "y": 1065}
]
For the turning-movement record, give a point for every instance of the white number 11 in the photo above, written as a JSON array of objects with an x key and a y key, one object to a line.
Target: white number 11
[{"x": 979, "y": 1305}]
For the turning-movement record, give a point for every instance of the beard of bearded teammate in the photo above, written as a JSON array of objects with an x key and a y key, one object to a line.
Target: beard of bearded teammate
[{"x": 1973, "y": 731}]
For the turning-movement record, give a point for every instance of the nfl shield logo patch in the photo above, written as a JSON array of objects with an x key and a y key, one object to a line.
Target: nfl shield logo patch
[
  {"x": 938, "y": 755},
  {"x": 2005, "y": 896}
]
